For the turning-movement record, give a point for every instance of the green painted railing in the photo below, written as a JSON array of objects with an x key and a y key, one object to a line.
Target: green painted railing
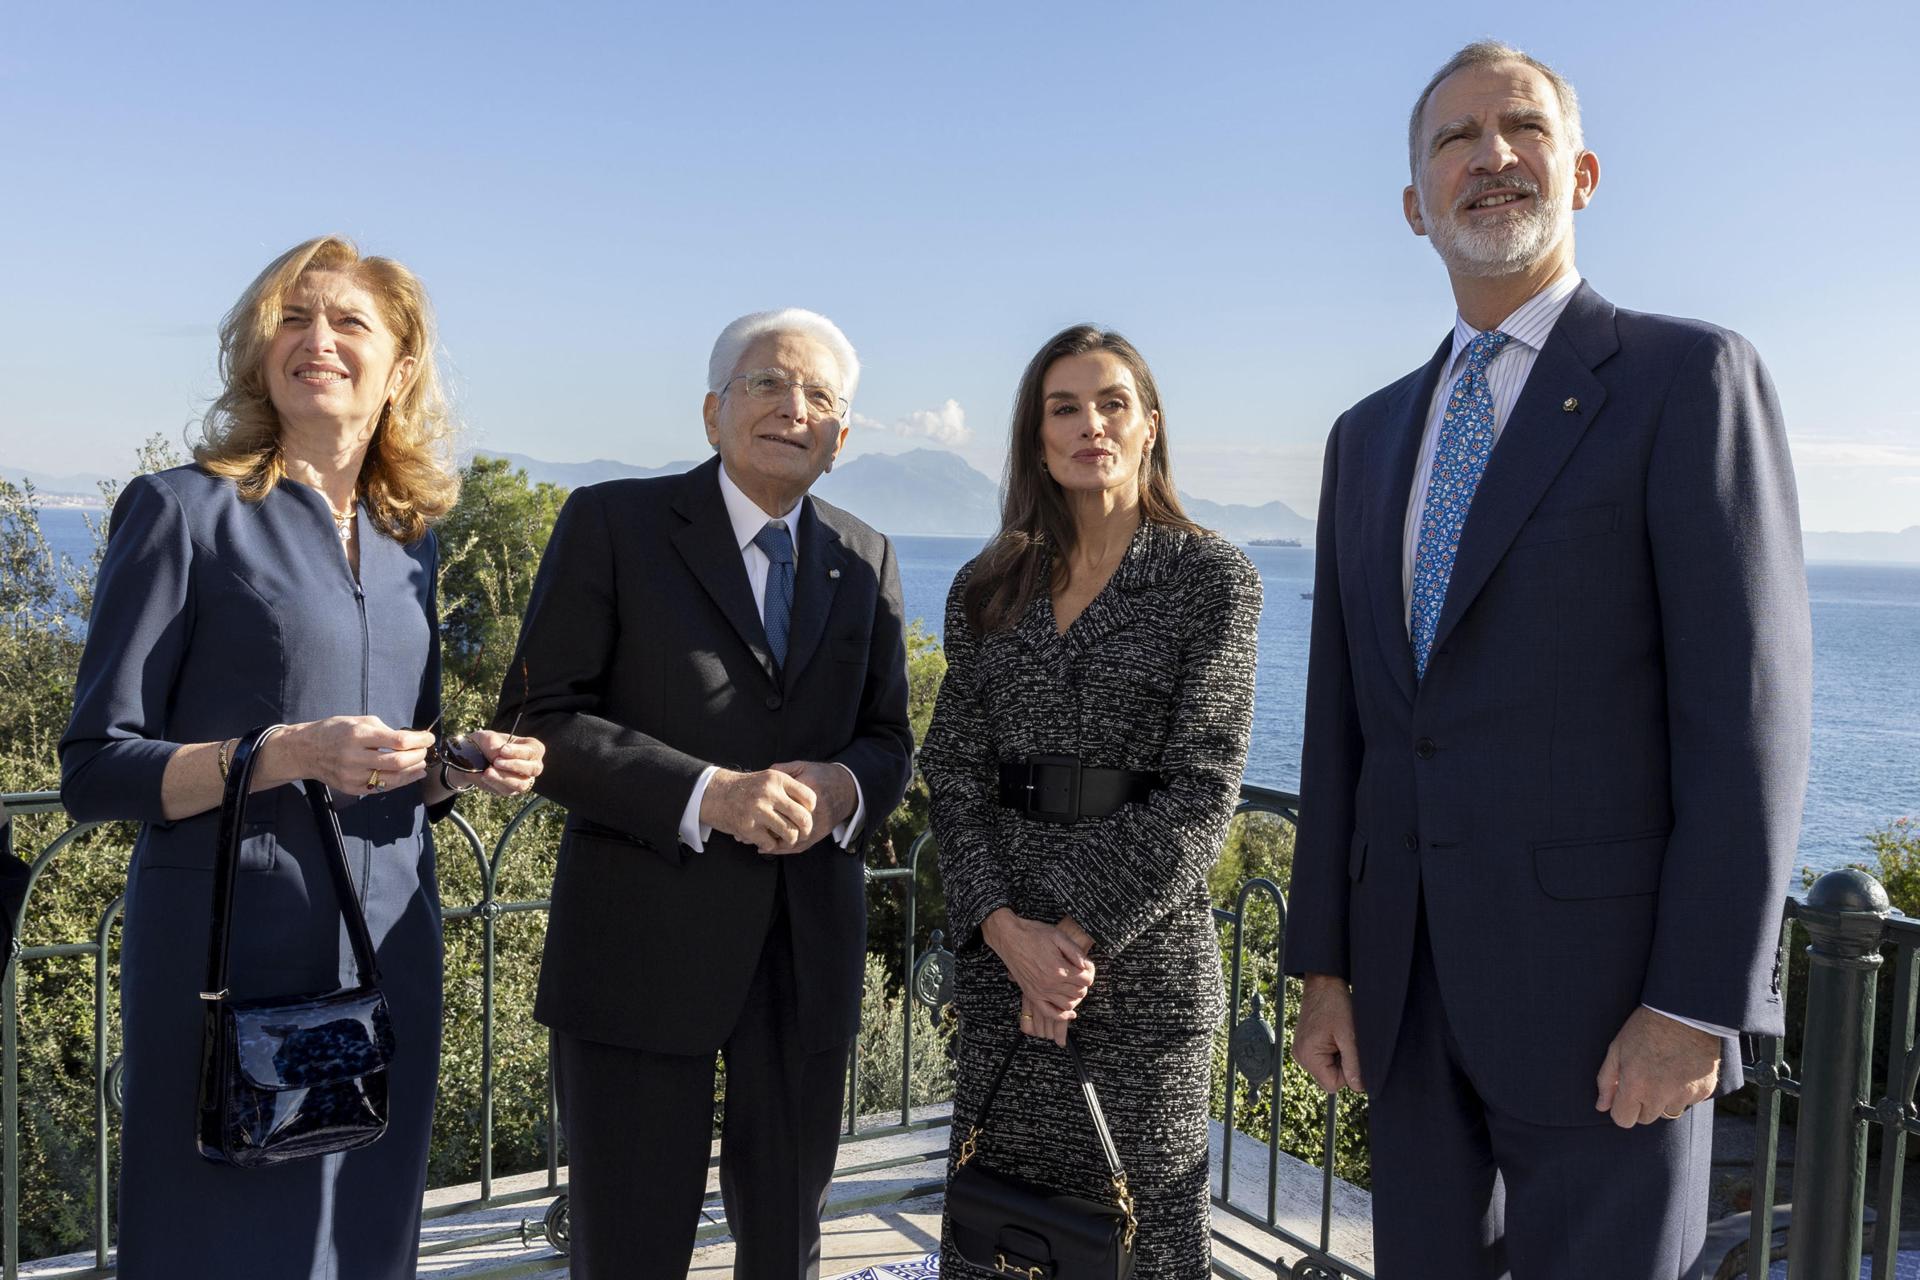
[
  {"x": 929, "y": 977},
  {"x": 1256, "y": 1053},
  {"x": 1851, "y": 935},
  {"x": 1849, "y": 928}
]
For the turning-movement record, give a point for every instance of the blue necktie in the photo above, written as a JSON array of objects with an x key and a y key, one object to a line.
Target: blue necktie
[
  {"x": 775, "y": 541},
  {"x": 1459, "y": 460}
]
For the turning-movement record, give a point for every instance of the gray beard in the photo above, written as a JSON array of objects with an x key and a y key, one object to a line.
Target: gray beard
[{"x": 1483, "y": 252}]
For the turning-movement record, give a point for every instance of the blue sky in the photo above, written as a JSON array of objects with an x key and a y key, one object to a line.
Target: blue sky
[{"x": 592, "y": 191}]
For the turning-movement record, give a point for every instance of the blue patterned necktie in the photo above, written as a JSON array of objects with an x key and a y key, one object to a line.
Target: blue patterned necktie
[
  {"x": 1459, "y": 460},
  {"x": 775, "y": 541}
]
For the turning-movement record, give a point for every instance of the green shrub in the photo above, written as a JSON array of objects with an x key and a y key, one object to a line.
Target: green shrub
[
  {"x": 880, "y": 1048},
  {"x": 1260, "y": 846}
]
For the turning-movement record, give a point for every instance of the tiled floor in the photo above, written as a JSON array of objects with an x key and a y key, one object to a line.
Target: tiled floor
[{"x": 927, "y": 1268}]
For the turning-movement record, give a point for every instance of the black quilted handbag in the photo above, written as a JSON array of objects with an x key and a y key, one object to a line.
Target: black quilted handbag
[
  {"x": 1014, "y": 1228},
  {"x": 287, "y": 1077}
]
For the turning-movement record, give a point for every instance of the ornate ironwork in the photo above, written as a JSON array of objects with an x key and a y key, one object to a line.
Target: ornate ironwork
[
  {"x": 932, "y": 982},
  {"x": 1256, "y": 1049},
  {"x": 559, "y": 1224}
]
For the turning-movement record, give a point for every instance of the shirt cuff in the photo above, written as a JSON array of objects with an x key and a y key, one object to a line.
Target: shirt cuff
[
  {"x": 846, "y": 831},
  {"x": 1725, "y": 1033},
  {"x": 693, "y": 832}
]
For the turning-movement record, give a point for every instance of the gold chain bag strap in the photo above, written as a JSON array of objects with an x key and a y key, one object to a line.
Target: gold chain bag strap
[{"x": 1015, "y": 1228}]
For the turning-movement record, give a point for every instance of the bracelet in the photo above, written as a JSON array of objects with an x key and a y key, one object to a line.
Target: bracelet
[
  {"x": 458, "y": 791},
  {"x": 224, "y": 757}
]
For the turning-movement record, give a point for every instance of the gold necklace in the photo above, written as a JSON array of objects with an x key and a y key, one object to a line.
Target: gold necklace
[{"x": 343, "y": 521}]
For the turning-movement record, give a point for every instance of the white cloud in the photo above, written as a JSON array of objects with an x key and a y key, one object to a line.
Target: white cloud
[
  {"x": 945, "y": 426},
  {"x": 1857, "y": 483},
  {"x": 1877, "y": 454}
]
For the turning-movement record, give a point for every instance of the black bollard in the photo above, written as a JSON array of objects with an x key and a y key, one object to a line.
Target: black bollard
[{"x": 1845, "y": 917}]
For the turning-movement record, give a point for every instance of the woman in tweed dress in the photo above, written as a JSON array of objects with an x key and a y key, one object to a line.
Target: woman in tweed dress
[{"x": 1103, "y": 625}]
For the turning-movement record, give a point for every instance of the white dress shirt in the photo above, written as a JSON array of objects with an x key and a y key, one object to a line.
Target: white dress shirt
[
  {"x": 1529, "y": 327},
  {"x": 748, "y": 520}
]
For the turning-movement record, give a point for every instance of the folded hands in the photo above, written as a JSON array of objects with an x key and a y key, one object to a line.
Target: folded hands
[
  {"x": 1049, "y": 963},
  {"x": 783, "y": 809}
]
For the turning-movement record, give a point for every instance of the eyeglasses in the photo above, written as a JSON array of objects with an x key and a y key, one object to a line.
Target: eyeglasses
[
  {"x": 460, "y": 753},
  {"x": 773, "y": 384}
]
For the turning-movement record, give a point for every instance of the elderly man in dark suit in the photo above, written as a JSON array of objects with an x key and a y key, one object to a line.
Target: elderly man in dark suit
[
  {"x": 1557, "y": 721},
  {"x": 717, "y": 664}
]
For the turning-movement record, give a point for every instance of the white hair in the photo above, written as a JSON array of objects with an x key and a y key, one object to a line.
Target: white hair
[{"x": 738, "y": 336}]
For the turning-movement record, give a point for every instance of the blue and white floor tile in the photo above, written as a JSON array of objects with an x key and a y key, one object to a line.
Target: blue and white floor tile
[{"x": 927, "y": 1268}]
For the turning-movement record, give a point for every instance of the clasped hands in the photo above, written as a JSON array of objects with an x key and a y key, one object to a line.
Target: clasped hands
[
  {"x": 1655, "y": 1068},
  {"x": 782, "y": 809},
  {"x": 1050, "y": 965}
]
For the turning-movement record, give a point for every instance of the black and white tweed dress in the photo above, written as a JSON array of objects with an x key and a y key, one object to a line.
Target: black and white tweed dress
[{"x": 1157, "y": 674}]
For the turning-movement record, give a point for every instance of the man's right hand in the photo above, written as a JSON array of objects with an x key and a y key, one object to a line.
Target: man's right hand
[
  {"x": 770, "y": 810},
  {"x": 1051, "y": 970},
  {"x": 1323, "y": 1042}
]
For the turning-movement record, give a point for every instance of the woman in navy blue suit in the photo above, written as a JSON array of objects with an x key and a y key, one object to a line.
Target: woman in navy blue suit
[{"x": 286, "y": 577}]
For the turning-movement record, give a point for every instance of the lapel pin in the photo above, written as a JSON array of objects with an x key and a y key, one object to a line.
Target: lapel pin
[
  {"x": 1569, "y": 405},
  {"x": 833, "y": 573}
]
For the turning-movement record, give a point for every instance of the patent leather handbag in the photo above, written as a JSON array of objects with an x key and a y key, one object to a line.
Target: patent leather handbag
[
  {"x": 288, "y": 1077},
  {"x": 1013, "y": 1228}
]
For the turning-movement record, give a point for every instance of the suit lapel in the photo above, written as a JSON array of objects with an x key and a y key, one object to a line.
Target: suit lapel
[
  {"x": 816, "y": 578},
  {"x": 1392, "y": 452},
  {"x": 706, "y": 544},
  {"x": 1540, "y": 435}
]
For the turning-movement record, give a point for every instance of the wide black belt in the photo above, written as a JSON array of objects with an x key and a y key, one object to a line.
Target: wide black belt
[{"x": 1061, "y": 789}]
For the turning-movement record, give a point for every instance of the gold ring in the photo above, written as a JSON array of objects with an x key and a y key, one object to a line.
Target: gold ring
[
  {"x": 1026, "y": 1017},
  {"x": 374, "y": 783},
  {"x": 1674, "y": 1115}
]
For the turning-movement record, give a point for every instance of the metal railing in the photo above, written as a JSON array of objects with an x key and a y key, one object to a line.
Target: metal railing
[
  {"x": 1257, "y": 1054},
  {"x": 1851, "y": 932},
  {"x": 928, "y": 976}
]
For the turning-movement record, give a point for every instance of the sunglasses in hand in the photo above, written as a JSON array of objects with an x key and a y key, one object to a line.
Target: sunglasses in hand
[{"x": 460, "y": 753}]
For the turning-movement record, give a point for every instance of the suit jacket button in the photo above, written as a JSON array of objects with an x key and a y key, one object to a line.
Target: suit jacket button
[
  {"x": 773, "y": 702},
  {"x": 1412, "y": 841},
  {"x": 1424, "y": 748}
]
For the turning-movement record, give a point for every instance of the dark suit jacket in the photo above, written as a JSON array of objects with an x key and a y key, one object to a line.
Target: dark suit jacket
[
  {"x": 646, "y": 662},
  {"x": 14, "y": 875},
  {"x": 1597, "y": 786}
]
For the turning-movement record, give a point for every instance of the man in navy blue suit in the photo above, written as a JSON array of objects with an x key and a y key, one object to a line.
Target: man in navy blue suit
[{"x": 1557, "y": 722}]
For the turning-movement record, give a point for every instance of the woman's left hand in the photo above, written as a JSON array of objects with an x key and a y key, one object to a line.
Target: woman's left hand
[
  {"x": 512, "y": 762},
  {"x": 1035, "y": 1021}
]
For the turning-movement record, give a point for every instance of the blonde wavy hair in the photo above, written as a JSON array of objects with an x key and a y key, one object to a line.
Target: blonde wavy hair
[{"x": 408, "y": 478}]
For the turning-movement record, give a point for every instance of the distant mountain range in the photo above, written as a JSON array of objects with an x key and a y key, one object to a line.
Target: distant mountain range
[
  {"x": 932, "y": 491},
  {"x": 53, "y": 485}
]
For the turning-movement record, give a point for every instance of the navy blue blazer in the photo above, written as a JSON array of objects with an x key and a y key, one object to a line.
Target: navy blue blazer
[{"x": 1597, "y": 787}]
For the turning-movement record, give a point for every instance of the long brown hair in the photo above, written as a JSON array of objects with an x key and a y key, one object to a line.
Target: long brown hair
[
  {"x": 1037, "y": 533},
  {"x": 407, "y": 477}
]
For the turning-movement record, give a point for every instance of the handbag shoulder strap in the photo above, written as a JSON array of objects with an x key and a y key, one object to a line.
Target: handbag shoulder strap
[
  {"x": 1092, "y": 1096},
  {"x": 233, "y": 820}
]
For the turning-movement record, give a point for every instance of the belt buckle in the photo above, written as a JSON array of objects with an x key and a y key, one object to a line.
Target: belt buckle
[{"x": 1055, "y": 798}]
